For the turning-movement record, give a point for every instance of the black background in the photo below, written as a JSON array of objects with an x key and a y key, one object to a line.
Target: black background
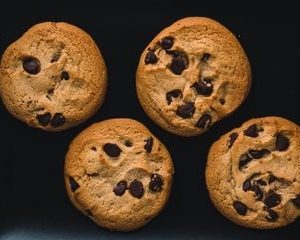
[{"x": 33, "y": 200}]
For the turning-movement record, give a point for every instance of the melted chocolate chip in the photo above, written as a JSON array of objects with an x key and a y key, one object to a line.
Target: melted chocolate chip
[
  {"x": 273, "y": 216},
  {"x": 120, "y": 188},
  {"x": 136, "y": 188},
  {"x": 272, "y": 200},
  {"x": 232, "y": 137},
  {"x": 247, "y": 185},
  {"x": 179, "y": 62},
  {"x": 156, "y": 183},
  {"x": 111, "y": 149},
  {"x": 173, "y": 94},
  {"x": 57, "y": 120},
  {"x": 151, "y": 58},
  {"x": 128, "y": 143},
  {"x": 251, "y": 131},
  {"x": 244, "y": 160},
  {"x": 44, "y": 119},
  {"x": 282, "y": 142},
  {"x": 149, "y": 144},
  {"x": 272, "y": 178},
  {"x": 167, "y": 42},
  {"x": 257, "y": 154},
  {"x": 296, "y": 201},
  {"x": 31, "y": 65},
  {"x": 204, "y": 121},
  {"x": 240, "y": 208},
  {"x": 205, "y": 57},
  {"x": 186, "y": 111},
  {"x": 64, "y": 75},
  {"x": 258, "y": 192},
  {"x": 73, "y": 184},
  {"x": 222, "y": 101},
  {"x": 203, "y": 87}
]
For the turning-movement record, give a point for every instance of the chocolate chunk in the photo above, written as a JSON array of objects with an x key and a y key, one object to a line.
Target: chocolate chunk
[
  {"x": 205, "y": 57},
  {"x": 261, "y": 182},
  {"x": 156, "y": 183},
  {"x": 44, "y": 119},
  {"x": 251, "y": 131},
  {"x": 167, "y": 42},
  {"x": 222, "y": 101},
  {"x": 204, "y": 121},
  {"x": 31, "y": 65},
  {"x": 272, "y": 178},
  {"x": 149, "y": 144},
  {"x": 257, "y": 154},
  {"x": 296, "y": 201},
  {"x": 179, "y": 62},
  {"x": 282, "y": 142},
  {"x": 272, "y": 199},
  {"x": 57, "y": 120},
  {"x": 120, "y": 188},
  {"x": 247, "y": 185},
  {"x": 244, "y": 160},
  {"x": 203, "y": 87},
  {"x": 73, "y": 184},
  {"x": 232, "y": 137},
  {"x": 151, "y": 58},
  {"x": 186, "y": 111},
  {"x": 173, "y": 94},
  {"x": 240, "y": 208},
  {"x": 273, "y": 216},
  {"x": 258, "y": 192},
  {"x": 112, "y": 150},
  {"x": 136, "y": 188},
  {"x": 128, "y": 143},
  {"x": 64, "y": 75}
]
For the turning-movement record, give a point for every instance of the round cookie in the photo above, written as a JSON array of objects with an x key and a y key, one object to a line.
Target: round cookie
[
  {"x": 53, "y": 77},
  {"x": 118, "y": 174},
  {"x": 253, "y": 173},
  {"x": 191, "y": 75}
]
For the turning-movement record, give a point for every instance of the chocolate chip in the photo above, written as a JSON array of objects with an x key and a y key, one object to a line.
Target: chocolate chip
[
  {"x": 240, "y": 208},
  {"x": 31, "y": 65},
  {"x": 282, "y": 142},
  {"x": 50, "y": 91},
  {"x": 257, "y": 154},
  {"x": 136, "y": 188},
  {"x": 205, "y": 57},
  {"x": 64, "y": 75},
  {"x": 167, "y": 42},
  {"x": 151, "y": 58},
  {"x": 149, "y": 144},
  {"x": 186, "y": 111},
  {"x": 112, "y": 150},
  {"x": 232, "y": 137},
  {"x": 44, "y": 119},
  {"x": 272, "y": 199},
  {"x": 258, "y": 192},
  {"x": 296, "y": 201},
  {"x": 203, "y": 87},
  {"x": 120, "y": 188},
  {"x": 247, "y": 185},
  {"x": 222, "y": 101},
  {"x": 179, "y": 62},
  {"x": 261, "y": 182},
  {"x": 173, "y": 94},
  {"x": 55, "y": 57},
  {"x": 244, "y": 160},
  {"x": 73, "y": 184},
  {"x": 156, "y": 183},
  {"x": 251, "y": 131},
  {"x": 272, "y": 178},
  {"x": 94, "y": 149},
  {"x": 128, "y": 143},
  {"x": 204, "y": 121},
  {"x": 57, "y": 120},
  {"x": 273, "y": 216}
]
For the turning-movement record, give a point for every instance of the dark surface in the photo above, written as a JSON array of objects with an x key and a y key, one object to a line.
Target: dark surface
[{"x": 33, "y": 200}]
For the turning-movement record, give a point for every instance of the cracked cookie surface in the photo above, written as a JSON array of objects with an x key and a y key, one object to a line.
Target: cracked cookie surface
[
  {"x": 191, "y": 75},
  {"x": 118, "y": 174},
  {"x": 53, "y": 77},
  {"x": 253, "y": 173}
]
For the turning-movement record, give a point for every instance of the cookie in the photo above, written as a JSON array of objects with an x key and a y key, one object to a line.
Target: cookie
[
  {"x": 118, "y": 174},
  {"x": 253, "y": 173},
  {"x": 53, "y": 77},
  {"x": 191, "y": 75}
]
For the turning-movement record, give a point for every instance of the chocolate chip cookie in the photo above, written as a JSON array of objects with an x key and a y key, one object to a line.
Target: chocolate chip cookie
[
  {"x": 191, "y": 75},
  {"x": 53, "y": 77},
  {"x": 253, "y": 173},
  {"x": 118, "y": 174}
]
